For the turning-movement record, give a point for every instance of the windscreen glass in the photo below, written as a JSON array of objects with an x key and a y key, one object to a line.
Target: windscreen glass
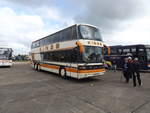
[
  {"x": 88, "y": 32},
  {"x": 92, "y": 54},
  {"x": 5, "y": 53}
]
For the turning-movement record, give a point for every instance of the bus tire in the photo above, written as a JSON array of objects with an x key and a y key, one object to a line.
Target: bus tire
[{"x": 62, "y": 72}]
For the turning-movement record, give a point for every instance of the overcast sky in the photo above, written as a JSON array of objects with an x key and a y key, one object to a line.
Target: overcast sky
[{"x": 121, "y": 22}]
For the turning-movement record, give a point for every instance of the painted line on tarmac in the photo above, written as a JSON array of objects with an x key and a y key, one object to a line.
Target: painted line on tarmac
[{"x": 139, "y": 107}]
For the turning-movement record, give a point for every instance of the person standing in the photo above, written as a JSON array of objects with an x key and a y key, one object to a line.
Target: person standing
[
  {"x": 114, "y": 65},
  {"x": 130, "y": 67},
  {"x": 136, "y": 73},
  {"x": 126, "y": 70}
]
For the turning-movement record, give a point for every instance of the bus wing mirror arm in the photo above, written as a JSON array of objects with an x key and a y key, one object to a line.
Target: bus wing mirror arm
[
  {"x": 81, "y": 47},
  {"x": 108, "y": 48}
]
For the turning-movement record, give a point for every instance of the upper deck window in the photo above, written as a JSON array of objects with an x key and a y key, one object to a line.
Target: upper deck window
[
  {"x": 120, "y": 51},
  {"x": 61, "y": 36},
  {"x": 126, "y": 50},
  {"x": 66, "y": 34},
  {"x": 148, "y": 54},
  {"x": 133, "y": 49},
  {"x": 35, "y": 44},
  {"x": 141, "y": 50},
  {"x": 113, "y": 51},
  {"x": 88, "y": 32}
]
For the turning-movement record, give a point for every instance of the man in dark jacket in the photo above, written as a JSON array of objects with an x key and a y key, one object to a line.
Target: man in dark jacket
[
  {"x": 136, "y": 73},
  {"x": 126, "y": 70},
  {"x": 130, "y": 67}
]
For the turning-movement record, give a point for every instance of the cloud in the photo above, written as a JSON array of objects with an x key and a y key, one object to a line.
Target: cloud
[
  {"x": 17, "y": 29},
  {"x": 108, "y": 14},
  {"x": 49, "y": 13},
  {"x": 120, "y": 21},
  {"x": 136, "y": 32},
  {"x": 32, "y": 3}
]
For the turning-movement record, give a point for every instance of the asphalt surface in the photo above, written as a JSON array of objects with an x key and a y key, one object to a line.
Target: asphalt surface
[{"x": 24, "y": 90}]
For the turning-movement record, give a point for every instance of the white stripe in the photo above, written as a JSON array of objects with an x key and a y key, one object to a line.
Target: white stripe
[
  {"x": 72, "y": 64},
  {"x": 49, "y": 69}
]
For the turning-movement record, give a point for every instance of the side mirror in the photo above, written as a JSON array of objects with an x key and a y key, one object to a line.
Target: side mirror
[
  {"x": 106, "y": 48},
  {"x": 82, "y": 49}
]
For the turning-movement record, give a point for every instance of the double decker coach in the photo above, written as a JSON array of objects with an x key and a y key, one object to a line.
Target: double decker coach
[{"x": 76, "y": 51}]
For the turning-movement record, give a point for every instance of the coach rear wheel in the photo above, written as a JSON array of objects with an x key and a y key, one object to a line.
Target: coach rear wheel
[{"x": 62, "y": 72}]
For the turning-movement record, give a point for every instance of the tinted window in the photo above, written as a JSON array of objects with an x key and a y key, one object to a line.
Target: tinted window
[
  {"x": 62, "y": 56},
  {"x": 74, "y": 33},
  {"x": 141, "y": 50},
  {"x": 56, "y": 37},
  {"x": 113, "y": 51},
  {"x": 133, "y": 49},
  {"x": 120, "y": 51},
  {"x": 49, "y": 39},
  {"x": 66, "y": 34},
  {"x": 42, "y": 42},
  {"x": 35, "y": 44},
  {"x": 126, "y": 50},
  {"x": 45, "y": 56}
]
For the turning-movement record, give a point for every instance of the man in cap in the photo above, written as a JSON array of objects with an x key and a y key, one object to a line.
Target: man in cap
[
  {"x": 136, "y": 73},
  {"x": 130, "y": 67}
]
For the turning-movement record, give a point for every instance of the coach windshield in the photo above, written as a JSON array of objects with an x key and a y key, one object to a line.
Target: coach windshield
[
  {"x": 88, "y": 32},
  {"x": 5, "y": 53},
  {"x": 92, "y": 54}
]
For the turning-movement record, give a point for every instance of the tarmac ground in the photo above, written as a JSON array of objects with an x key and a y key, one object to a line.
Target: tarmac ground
[{"x": 24, "y": 90}]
